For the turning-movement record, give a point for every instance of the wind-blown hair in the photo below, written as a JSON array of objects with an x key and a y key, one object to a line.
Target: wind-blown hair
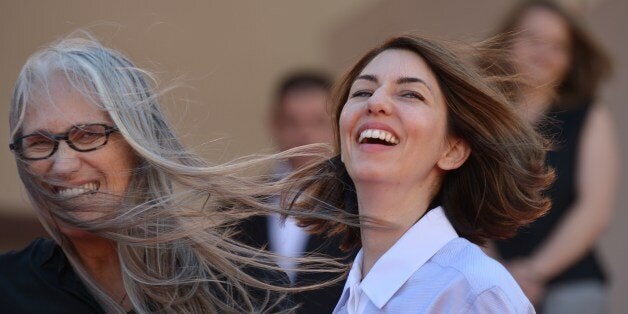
[
  {"x": 173, "y": 228},
  {"x": 589, "y": 64},
  {"x": 499, "y": 187}
]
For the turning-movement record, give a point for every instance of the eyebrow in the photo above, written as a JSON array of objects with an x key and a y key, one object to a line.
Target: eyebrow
[
  {"x": 401, "y": 80},
  {"x": 48, "y": 132},
  {"x": 367, "y": 77}
]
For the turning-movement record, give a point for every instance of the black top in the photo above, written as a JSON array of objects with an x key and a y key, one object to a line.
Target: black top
[
  {"x": 40, "y": 279},
  {"x": 564, "y": 128},
  {"x": 254, "y": 231}
]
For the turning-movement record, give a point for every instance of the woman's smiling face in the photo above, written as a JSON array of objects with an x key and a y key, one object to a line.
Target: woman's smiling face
[
  {"x": 393, "y": 127},
  {"x": 70, "y": 173}
]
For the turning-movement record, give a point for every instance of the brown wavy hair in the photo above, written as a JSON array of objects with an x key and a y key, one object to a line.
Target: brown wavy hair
[
  {"x": 590, "y": 63},
  {"x": 496, "y": 191}
]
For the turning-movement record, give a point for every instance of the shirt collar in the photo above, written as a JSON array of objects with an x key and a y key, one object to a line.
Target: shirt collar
[
  {"x": 404, "y": 258},
  {"x": 355, "y": 275},
  {"x": 52, "y": 256}
]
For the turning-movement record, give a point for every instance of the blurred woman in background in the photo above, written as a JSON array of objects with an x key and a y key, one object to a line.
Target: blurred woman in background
[{"x": 561, "y": 68}]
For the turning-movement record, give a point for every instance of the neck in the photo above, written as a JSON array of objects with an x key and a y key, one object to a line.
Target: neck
[
  {"x": 534, "y": 102},
  {"x": 100, "y": 259},
  {"x": 391, "y": 205}
]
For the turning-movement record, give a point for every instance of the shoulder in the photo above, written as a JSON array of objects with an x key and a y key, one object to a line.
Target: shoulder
[
  {"x": 273, "y": 277},
  {"x": 38, "y": 279},
  {"x": 480, "y": 279},
  {"x": 267, "y": 299},
  {"x": 36, "y": 252},
  {"x": 599, "y": 117},
  {"x": 22, "y": 272},
  {"x": 253, "y": 231},
  {"x": 470, "y": 261},
  {"x": 19, "y": 268}
]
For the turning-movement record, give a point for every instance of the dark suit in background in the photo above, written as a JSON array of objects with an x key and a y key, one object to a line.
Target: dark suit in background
[{"x": 255, "y": 232}]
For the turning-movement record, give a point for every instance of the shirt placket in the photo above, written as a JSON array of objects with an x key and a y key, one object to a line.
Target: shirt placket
[{"x": 354, "y": 299}]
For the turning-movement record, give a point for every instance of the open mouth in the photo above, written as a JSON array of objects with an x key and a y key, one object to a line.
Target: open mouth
[
  {"x": 381, "y": 137},
  {"x": 87, "y": 188}
]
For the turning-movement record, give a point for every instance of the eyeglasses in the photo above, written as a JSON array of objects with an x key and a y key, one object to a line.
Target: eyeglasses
[{"x": 81, "y": 138}]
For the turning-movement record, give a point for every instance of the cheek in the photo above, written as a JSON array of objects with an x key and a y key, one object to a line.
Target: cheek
[
  {"x": 38, "y": 168},
  {"x": 323, "y": 134},
  {"x": 346, "y": 120},
  {"x": 426, "y": 120},
  {"x": 520, "y": 49},
  {"x": 345, "y": 123},
  {"x": 562, "y": 63},
  {"x": 121, "y": 163},
  {"x": 429, "y": 130}
]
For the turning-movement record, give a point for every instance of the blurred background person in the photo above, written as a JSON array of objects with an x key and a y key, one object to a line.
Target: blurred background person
[
  {"x": 299, "y": 116},
  {"x": 561, "y": 68}
]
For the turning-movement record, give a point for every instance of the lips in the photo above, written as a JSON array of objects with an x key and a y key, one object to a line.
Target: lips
[{"x": 67, "y": 192}]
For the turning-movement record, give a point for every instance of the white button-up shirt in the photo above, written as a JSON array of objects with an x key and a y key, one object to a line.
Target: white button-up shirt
[
  {"x": 285, "y": 237},
  {"x": 432, "y": 270}
]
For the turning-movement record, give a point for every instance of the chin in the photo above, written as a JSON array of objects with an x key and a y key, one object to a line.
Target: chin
[
  {"x": 370, "y": 175},
  {"x": 74, "y": 232}
]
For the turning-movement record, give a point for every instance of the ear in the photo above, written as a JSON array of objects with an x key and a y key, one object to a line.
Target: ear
[{"x": 455, "y": 154}]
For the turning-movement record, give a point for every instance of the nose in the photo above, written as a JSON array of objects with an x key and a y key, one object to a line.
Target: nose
[
  {"x": 379, "y": 103},
  {"x": 65, "y": 160}
]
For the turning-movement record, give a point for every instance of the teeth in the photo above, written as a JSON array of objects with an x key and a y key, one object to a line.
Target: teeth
[
  {"x": 75, "y": 191},
  {"x": 378, "y": 134}
]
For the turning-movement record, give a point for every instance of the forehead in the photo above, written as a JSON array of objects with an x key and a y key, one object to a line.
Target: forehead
[
  {"x": 59, "y": 108},
  {"x": 310, "y": 99},
  {"x": 396, "y": 63}
]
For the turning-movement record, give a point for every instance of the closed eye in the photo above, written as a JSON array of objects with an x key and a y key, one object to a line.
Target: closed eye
[
  {"x": 362, "y": 93},
  {"x": 410, "y": 94},
  {"x": 37, "y": 140},
  {"x": 86, "y": 137}
]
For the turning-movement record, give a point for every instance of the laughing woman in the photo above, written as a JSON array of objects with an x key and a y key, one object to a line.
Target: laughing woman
[
  {"x": 436, "y": 161},
  {"x": 138, "y": 223}
]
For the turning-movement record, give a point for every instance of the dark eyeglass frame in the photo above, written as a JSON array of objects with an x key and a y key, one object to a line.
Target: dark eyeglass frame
[{"x": 16, "y": 145}]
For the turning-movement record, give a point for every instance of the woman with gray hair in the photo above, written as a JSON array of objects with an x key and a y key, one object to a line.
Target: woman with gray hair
[{"x": 138, "y": 221}]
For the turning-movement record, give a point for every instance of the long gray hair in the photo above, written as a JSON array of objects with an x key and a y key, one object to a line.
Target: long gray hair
[{"x": 173, "y": 228}]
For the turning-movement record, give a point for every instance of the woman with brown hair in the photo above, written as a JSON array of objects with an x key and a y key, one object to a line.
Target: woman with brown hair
[
  {"x": 561, "y": 68},
  {"x": 436, "y": 161}
]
